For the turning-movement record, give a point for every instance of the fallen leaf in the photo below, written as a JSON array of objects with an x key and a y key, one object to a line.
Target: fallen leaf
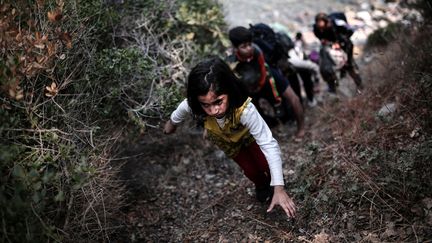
[
  {"x": 12, "y": 93},
  {"x": 51, "y": 49},
  {"x": 6, "y": 107},
  {"x": 44, "y": 38},
  {"x": 36, "y": 65},
  {"x": 55, "y": 16},
  {"x": 41, "y": 59},
  {"x": 60, "y": 3},
  {"x": 190, "y": 36},
  {"x": 321, "y": 238},
  {"x": 52, "y": 90},
  {"x": 18, "y": 37},
  {"x": 16, "y": 93},
  {"x": 66, "y": 39},
  {"x": 19, "y": 95},
  {"x": 40, "y": 46}
]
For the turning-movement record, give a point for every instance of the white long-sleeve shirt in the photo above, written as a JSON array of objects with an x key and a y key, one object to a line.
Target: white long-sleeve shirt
[{"x": 251, "y": 119}]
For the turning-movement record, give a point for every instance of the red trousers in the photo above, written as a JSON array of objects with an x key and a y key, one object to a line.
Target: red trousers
[{"x": 254, "y": 165}]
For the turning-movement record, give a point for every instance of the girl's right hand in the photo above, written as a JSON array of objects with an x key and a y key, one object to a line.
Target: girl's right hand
[
  {"x": 281, "y": 198},
  {"x": 169, "y": 127}
]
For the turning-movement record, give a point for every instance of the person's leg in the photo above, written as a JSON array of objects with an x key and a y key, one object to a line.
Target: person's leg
[
  {"x": 288, "y": 93},
  {"x": 331, "y": 82},
  {"x": 295, "y": 85},
  {"x": 351, "y": 66},
  {"x": 308, "y": 84},
  {"x": 255, "y": 167},
  {"x": 289, "y": 72},
  {"x": 298, "y": 110},
  {"x": 326, "y": 69},
  {"x": 355, "y": 75}
]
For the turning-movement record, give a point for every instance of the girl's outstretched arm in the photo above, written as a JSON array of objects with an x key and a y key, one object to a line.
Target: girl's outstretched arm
[
  {"x": 270, "y": 148},
  {"x": 177, "y": 117}
]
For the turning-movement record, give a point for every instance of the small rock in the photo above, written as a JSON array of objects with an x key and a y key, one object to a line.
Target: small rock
[
  {"x": 186, "y": 161},
  {"x": 415, "y": 133},
  {"x": 365, "y": 16},
  {"x": 378, "y": 14},
  {"x": 390, "y": 229},
  {"x": 365, "y": 6},
  {"x": 382, "y": 24},
  {"x": 177, "y": 169},
  {"x": 387, "y": 110},
  {"x": 427, "y": 202},
  {"x": 219, "y": 154}
]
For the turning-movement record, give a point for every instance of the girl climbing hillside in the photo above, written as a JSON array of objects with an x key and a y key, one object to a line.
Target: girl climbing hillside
[{"x": 231, "y": 121}]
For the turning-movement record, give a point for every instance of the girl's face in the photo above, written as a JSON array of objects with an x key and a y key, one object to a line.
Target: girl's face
[
  {"x": 214, "y": 105},
  {"x": 245, "y": 50}
]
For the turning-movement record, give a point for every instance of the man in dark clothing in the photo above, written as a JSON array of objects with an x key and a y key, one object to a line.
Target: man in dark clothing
[
  {"x": 262, "y": 80},
  {"x": 333, "y": 30}
]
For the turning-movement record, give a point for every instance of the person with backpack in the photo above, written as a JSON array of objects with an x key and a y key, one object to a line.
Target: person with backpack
[
  {"x": 306, "y": 69},
  {"x": 276, "y": 47},
  {"x": 262, "y": 80},
  {"x": 333, "y": 31}
]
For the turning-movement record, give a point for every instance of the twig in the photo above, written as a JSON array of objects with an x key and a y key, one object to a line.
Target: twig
[
  {"x": 415, "y": 233},
  {"x": 37, "y": 130}
]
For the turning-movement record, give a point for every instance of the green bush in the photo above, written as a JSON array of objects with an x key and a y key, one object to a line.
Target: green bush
[
  {"x": 84, "y": 71},
  {"x": 202, "y": 22},
  {"x": 384, "y": 36}
]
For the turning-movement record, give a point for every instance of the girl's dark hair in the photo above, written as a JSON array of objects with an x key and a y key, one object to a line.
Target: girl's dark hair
[{"x": 213, "y": 74}]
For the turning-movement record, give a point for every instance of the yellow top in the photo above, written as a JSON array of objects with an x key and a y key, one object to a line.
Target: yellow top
[{"x": 233, "y": 135}]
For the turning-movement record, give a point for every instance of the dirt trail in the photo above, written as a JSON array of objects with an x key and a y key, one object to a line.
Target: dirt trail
[{"x": 182, "y": 188}]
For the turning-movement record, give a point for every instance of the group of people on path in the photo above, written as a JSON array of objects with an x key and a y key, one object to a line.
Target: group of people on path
[{"x": 225, "y": 96}]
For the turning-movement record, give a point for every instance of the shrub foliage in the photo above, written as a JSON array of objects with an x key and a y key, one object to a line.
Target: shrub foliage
[{"x": 73, "y": 76}]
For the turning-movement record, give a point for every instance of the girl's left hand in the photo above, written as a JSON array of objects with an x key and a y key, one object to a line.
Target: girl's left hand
[
  {"x": 169, "y": 127},
  {"x": 280, "y": 197}
]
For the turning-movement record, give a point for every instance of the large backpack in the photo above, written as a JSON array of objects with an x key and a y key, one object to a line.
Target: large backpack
[
  {"x": 285, "y": 41},
  {"x": 274, "y": 45},
  {"x": 340, "y": 22}
]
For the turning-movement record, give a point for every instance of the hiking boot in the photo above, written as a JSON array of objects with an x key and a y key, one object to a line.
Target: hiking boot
[
  {"x": 263, "y": 193},
  {"x": 312, "y": 103}
]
